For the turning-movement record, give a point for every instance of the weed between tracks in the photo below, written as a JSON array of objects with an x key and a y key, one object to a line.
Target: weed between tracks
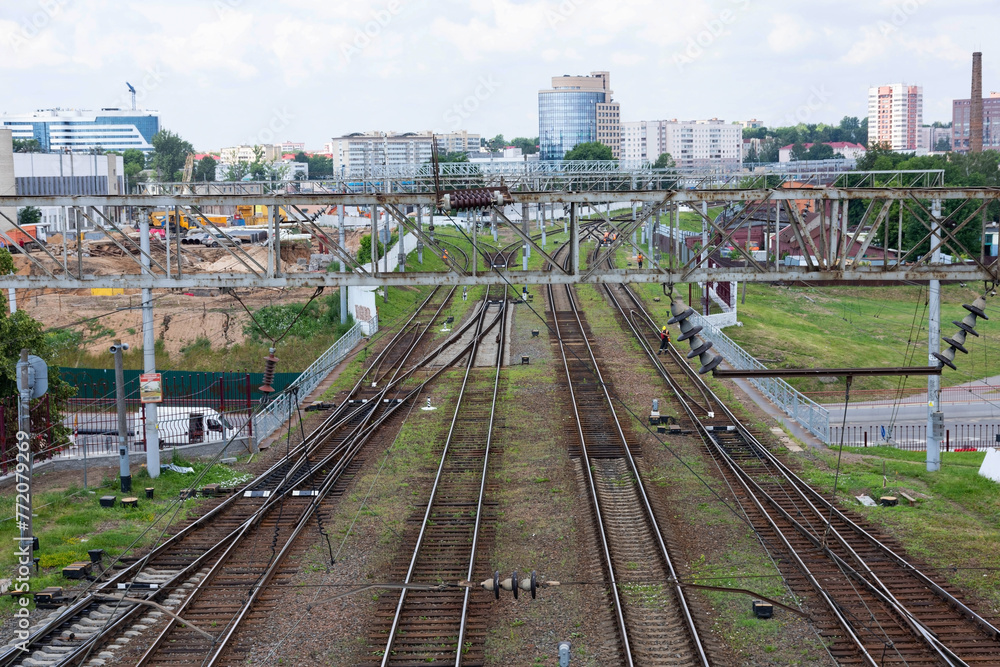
[
  {"x": 954, "y": 525},
  {"x": 70, "y": 522}
]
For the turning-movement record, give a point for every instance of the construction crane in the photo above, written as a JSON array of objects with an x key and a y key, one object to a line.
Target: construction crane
[
  {"x": 131, "y": 89},
  {"x": 188, "y": 168}
]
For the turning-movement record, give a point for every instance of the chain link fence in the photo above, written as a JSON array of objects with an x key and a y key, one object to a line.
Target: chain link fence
[{"x": 810, "y": 414}]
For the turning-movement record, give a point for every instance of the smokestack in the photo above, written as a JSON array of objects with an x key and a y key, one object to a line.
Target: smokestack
[{"x": 976, "y": 111}]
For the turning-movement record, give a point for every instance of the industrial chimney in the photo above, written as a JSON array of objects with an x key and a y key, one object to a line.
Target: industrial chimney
[{"x": 976, "y": 109}]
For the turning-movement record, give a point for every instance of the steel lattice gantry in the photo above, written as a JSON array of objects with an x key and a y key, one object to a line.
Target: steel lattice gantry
[{"x": 837, "y": 247}]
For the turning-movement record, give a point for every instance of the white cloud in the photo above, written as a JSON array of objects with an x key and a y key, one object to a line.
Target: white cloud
[{"x": 789, "y": 34}]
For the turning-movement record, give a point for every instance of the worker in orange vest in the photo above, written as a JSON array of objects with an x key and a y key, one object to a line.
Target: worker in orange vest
[
  {"x": 639, "y": 257},
  {"x": 445, "y": 256},
  {"x": 664, "y": 339}
]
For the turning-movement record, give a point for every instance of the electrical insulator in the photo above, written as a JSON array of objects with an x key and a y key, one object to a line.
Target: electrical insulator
[
  {"x": 514, "y": 584},
  {"x": 689, "y": 332},
  {"x": 270, "y": 362},
  {"x": 965, "y": 327},
  {"x": 460, "y": 200}
]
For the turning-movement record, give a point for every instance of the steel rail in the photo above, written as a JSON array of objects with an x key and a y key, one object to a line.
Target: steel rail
[
  {"x": 474, "y": 346},
  {"x": 341, "y": 416},
  {"x": 482, "y": 482},
  {"x": 346, "y": 452},
  {"x": 640, "y": 487},
  {"x": 878, "y": 588}
]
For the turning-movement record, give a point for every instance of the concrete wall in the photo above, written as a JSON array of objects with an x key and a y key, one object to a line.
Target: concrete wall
[{"x": 7, "y": 176}]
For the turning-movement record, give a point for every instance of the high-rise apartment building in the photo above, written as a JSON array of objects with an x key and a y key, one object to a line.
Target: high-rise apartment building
[
  {"x": 358, "y": 152},
  {"x": 695, "y": 144},
  {"x": 60, "y": 130},
  {"x": 895, "y": 115},
  {"x": 961, "y": 116},
  {"x": 577, "y": 110}
]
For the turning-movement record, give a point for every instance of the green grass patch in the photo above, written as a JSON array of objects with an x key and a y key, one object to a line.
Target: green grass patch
[
  {"x": 70, "y": 522},
  {"x": 956, "y": 522}
]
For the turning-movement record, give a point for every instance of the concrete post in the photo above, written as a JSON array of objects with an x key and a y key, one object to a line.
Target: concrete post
[
  {"x": 935, "y": 417},
  {"x": 420, "y": 227},
  {"x": 541, "y": 221},
  {"x": 24, "y": 426},
  {"x": 343, "y": 265},
  {"x": 574, "y": 241},
  {"x": 524, "y": 227},
  {"x": 149, "y": 353}
]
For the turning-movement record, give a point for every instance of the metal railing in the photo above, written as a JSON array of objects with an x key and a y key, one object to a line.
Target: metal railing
[
  {"x": 810, "y": 414},
  {"x": 279, "y": 410},
  {"x": 913, "y": 437}
]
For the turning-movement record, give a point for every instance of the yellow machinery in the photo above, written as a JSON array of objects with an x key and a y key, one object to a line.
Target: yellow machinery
[
  {"x": 187, "y": 221},
  {"x": 255, "y": 215}
]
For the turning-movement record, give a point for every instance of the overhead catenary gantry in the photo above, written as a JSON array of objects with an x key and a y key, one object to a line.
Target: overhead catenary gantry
[{"x": 838, "y": 242}]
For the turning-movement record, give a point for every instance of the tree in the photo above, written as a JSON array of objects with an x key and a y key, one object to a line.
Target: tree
[
  {"x": 18, "y": 330},
  {"x": 943, "y": 145},
  {"x": 799, "y": 151},
  {"x": 820, "y": 151},
  {"x": 29, "y": 215},
  {"x": 453, "y": 156},
  {"x": 665, "y": 161},
  {"x": 236, "y": 172},
  {"x": 875, "y": 153},
  {"x": 301, "y": 157},
  {"x": 528, "y": 146},
  {"x": 169, "y": 154},
  {"x": 134, "y": 162},
  {"x": 204, "y": 169},
  {"x": 497, "y": 143},
  {"x": 590, "y": 150},
  {"x": 27, "y": 146},
  {"x": 320, "y": 166}
]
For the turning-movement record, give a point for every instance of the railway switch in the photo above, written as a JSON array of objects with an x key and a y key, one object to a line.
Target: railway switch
[
  {"x": 689, "y": 332},
  {"x": 965, "y": 327}
]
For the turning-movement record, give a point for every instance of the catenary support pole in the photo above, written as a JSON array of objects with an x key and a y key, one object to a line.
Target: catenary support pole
[
  {"x": 420, "y": 228},
  {"x": 935, "y": 417},
  {"x": 123, "y": 463},
  {"x": 24, "y": 426},
  {"x": 149, "y": 353},
  {"x": 526, "y": 251},
  {"x": 343, "y": 265},
  {"x": 574, "y": 241}
]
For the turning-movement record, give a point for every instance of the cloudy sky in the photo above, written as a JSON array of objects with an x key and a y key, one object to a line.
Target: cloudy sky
[{"x": 223, "y": 72}]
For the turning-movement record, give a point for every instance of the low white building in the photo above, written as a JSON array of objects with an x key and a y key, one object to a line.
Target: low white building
[
  {"x": 845, "y": 149},
  {"x": 67, "y": 174}
]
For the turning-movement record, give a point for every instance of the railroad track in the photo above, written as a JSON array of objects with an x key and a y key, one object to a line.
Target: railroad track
[
  {"x": 445, "y": 625},
  {"x": 655, "y": 621},
  {"x": 860, "y": 591},
  {"x": 206, "y": 556}
]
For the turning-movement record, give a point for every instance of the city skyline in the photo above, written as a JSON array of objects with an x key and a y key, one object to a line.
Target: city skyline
[{"x": 232, "y": 72}]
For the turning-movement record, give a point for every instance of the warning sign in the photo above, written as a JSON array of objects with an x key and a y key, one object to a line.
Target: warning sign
[{"x": 151, "y": 388}]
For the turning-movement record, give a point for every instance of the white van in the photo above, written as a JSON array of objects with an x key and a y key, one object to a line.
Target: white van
[
  {"x": 177, "y": 426},
  {"x": 191, "y": 425}
]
